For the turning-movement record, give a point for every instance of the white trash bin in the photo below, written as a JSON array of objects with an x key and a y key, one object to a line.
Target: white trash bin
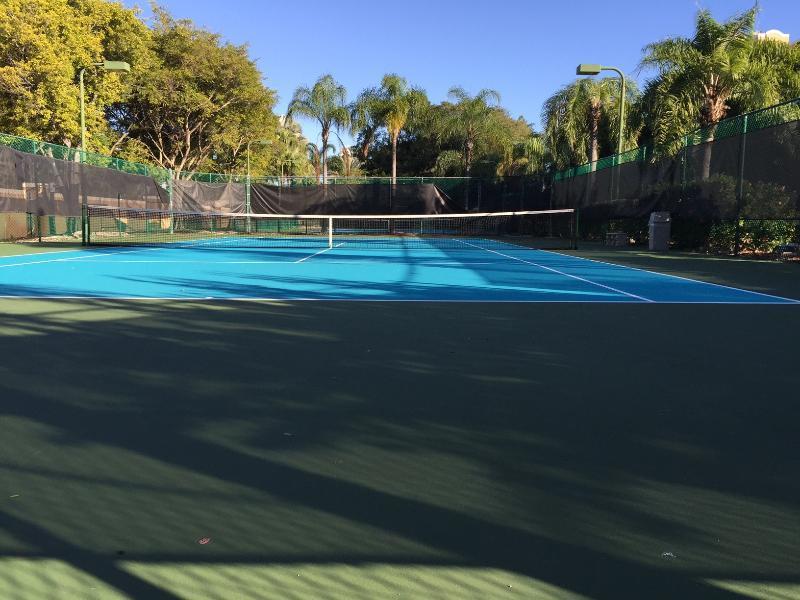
[{"x": 660, "y": 229}]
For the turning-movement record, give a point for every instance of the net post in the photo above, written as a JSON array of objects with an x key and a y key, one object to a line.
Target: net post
[
  {"x": 330, "y": 232},
  {"x": 119, "y": 215},
  {"x": 88, "y": 229},
  {"x": 84, "y": 225},
  {"x": 576, "y": 222}
]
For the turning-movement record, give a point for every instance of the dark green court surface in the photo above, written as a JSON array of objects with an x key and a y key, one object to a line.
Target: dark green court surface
[{"x": 380, "y": 451}]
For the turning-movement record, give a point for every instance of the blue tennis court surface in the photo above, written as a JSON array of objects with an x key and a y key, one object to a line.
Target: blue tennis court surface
[{"x": 504, "y": 274}]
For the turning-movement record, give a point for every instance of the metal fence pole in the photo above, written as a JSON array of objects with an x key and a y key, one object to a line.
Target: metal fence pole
[
  {"x": 247, "y": 192},
  {"x": 170, "y": 192},
  {"x": 740, "y": 188}
]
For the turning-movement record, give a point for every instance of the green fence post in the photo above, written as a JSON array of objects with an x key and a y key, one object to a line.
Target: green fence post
[
  {"x": 170, "y": 192},
  {"x": 740, "y": 188},
  {"x": 247, "y": 192},
  {"x": 683, "y": 166}
]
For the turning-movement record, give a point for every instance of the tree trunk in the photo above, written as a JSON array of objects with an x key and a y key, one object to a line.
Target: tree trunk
[
  {"x": 706, "y": 169},
  {"x": 324, "y": 157},
  {"x": 713, "y": 111},
  {"x": 468, "y": 145},
  {"x": 594, "y": 129},
  {"x": 394, "y": 157}
]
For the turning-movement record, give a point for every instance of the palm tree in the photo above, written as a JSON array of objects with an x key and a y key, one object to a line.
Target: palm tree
[
  {"x": 527, "y": 157},
  {"x": 398, "y": 102},
  {"x": 576, "y": 115},
  {"x": 449, "y": 162},
  {"x": 290, "y": 150},
  {"x": 366, "y": 118},
  {"x": 326, "y": 102},
  {"x": 316, "y": 156},
  {"x": 351, "y": 165},
  {"x": 470, "y": 121},
  {"x": 699, "y": 79}
]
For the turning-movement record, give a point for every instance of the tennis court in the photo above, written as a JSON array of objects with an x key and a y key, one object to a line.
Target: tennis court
[
  {"x": 400, "y": 409},
  {"x": 498, "y": 272}
]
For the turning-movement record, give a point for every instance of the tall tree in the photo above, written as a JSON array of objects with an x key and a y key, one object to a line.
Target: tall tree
[
  {"x": 39, "y": 94},
  {"x": 469, "y": 121},
  {"x": 398, "y": 103},
  {"x": 700, "y": 78},
  {"x": 200, "y": 99},
  {"x": 316, "y": 157},
  {"x": 578, "y": 115},
  {"x": 325, "y": 102},
  {"x": 527, "y": 157},
  {"x": 366, "y": 118},
  {"x": 290, "y": 151}
]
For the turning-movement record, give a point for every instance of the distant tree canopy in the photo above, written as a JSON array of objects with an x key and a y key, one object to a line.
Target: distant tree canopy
[
  {"x": 193, "y": 102},
  {"x": 442, "y": 141}
]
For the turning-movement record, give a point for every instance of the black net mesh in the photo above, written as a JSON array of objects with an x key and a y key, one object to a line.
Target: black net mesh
[{"x": 125, "y": 227}]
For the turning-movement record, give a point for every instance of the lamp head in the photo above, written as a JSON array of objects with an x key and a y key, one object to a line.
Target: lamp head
[
  {"x": 588, "y": 69},
  {"x": 116, "y": 66}
]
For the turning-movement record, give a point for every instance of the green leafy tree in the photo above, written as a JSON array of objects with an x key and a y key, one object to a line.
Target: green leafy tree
[
  {"x": 43, "y": 46},
  {"x": 497, "y": 155},
  {"x": 581, "y": 118},
  {"x": 316, "y": 157},
  {"x": 366, "y": 119},
  {"x": 469, "y": 121},
  {"x": 398, "y": 103},
  {"x": 290, "y": 156},
  {"x": 348, "y": 165},
  {"x": 199, "y": 103},
  {"x": 345, "y": 164},
  {"x": 527, "y": 157},
  {"x": 701, "y": 79},
  {"x": 325, "y": 102}
]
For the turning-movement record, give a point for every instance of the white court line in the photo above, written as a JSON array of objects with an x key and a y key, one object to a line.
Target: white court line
[
  {"x": 589, "y": 281},
  {"x": 393, "y": 300},
  {"x": 317, "y": 253},
  {"x": 87, "y": 255},
  {"x": 700, "y": 281},
  {"x": 286, "y": 262},
  {"x": 192, "y": 262},
  {"x": 40, "y": 253}
]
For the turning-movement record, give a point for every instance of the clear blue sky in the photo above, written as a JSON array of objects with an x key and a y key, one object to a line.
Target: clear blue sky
[{"x": 524, "y": 49}]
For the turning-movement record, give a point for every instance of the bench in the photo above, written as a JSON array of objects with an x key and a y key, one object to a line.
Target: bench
[
  {"x": 787, "y": 251},
  {"x": 616, "y": 238}
]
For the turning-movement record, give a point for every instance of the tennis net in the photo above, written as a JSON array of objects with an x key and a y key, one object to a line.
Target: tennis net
[{"x": 120, "y": 226}]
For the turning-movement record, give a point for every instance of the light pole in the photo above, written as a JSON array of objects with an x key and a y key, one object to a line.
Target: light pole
[
  {"x": 589, "y": 69},
  {"x": 113, "y": 66}
]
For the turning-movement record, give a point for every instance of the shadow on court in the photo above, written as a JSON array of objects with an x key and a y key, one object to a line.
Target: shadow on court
[{"x": 363, "y": 449}]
